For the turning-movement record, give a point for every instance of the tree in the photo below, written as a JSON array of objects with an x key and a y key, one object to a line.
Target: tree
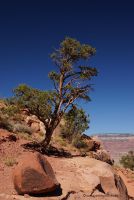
[
  {"x": 71, "y": 82},
  {"x": 37, "y": 102},
  {"x": 76, "y": 122}
]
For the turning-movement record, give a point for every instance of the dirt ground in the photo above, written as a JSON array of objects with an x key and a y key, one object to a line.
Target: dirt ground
[{"x": 68, "y": 171}]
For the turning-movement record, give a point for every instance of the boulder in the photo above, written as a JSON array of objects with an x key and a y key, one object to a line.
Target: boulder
[
  {"x": 122, "y": 188},
  {"x": 35, "y": 126},
  {"x": 34, "y": 175},
  {"x": 101, "y": 155},
  {"x": 106, "y": 175},
  {"x": 91, "y": 179},
  {"x": 99, "y": 168},
  {"x": 87, "y": 178},
  {"x": 31, "y": 119},
  {"x": 108, "y": 186},
  {"x": 42, "y": 127},
  {"x": 104, "y": 172},
  {"x": 92, "y": 143},
  {"x": 98, "y": 142}
]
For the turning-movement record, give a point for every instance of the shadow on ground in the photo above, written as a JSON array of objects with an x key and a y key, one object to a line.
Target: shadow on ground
[
  {"x": 57, "y": 192},
  {"x": 50, "y": 150}
]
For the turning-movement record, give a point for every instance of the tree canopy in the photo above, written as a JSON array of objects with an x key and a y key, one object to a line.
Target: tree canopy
[
  {"x": 38, "y": 102},
  {"x": 71, "y": 80},
  {"x": 76, "y": 122}
]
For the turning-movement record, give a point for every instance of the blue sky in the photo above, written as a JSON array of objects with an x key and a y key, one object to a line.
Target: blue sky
[{"x": 29, "y": 30}]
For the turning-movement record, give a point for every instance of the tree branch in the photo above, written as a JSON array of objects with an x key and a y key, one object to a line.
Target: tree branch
[
  {"x": 71, "y": 100},
  {"x": 61, "y": 84},
  {"x": 55, "y": 86}
]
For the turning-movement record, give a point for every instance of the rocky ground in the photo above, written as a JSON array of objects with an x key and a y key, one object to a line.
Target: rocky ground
[
  {"x": 128, "y": 178},
  {"x": 74, "y": 174}
]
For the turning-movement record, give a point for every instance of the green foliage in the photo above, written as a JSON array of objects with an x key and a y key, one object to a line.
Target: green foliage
[
  {"x": 5, "y": 123},
  {"x": 78, "y": 142},
  {"x": 22, "y": 128},
  {"x": 10, "y": 161},
  {"x": 36, "y": 101},
  {"x": 71, "y": 81},
  {"x": 128, "y": 160},
  {"x": 76, "y": 122},
  {"x": 61, "y": 141},
  {"x": 10, "y": 110},
  {"x": 24, "y": 135}
]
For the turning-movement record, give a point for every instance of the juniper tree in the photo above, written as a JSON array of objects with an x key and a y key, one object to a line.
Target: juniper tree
[{"x": 71, "y": 81}]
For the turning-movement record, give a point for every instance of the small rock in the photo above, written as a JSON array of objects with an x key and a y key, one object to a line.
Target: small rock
[
  {"x": 26, "y": 196},
  {"x": 98, "y": 193}
]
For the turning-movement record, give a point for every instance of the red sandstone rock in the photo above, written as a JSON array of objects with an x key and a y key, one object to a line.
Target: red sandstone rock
[
  {"x": 108, "y": 186},
  {"x": 34, "y": 175}
]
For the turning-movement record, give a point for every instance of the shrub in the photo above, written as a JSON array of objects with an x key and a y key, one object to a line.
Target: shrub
[
  {"x": 75, "y": 123},
  {"x": 22, "y": 128},
  {"x": 62, "y": 142},
  {"x": 79, "y": 143},
  {"x": 24, "y": 136},
  {"x": 128, "y": 160},
  {"x": 5, "y": 123},
  {"x": 57, "y": 139},
  {"x": 9, "y": 161},
  {"x": 10, "y": 110}
]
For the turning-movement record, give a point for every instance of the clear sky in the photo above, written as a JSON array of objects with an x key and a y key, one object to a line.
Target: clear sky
[{"x": 29, "y": 30}]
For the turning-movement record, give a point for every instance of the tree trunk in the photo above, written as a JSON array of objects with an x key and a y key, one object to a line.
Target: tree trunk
[
  {"x": 46, "y": 141},
  {"x": 49, "y": 131}
]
